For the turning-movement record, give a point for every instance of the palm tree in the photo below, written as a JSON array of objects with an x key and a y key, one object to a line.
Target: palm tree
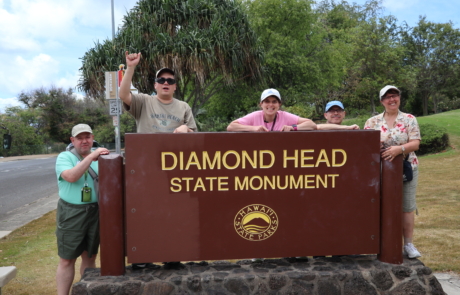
[{"x": 208, "y": 43}]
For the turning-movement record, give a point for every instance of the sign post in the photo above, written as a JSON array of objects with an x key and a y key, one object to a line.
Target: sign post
[{"x": 112, "y": 82}]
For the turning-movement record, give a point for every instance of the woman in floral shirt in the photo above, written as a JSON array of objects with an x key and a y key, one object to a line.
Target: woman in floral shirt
[{"x": 400, "y": 134}]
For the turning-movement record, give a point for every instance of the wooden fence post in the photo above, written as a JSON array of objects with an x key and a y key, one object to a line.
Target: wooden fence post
[
  {"x": 111, "y": 215},
  {"x": 391, "y": 212}
]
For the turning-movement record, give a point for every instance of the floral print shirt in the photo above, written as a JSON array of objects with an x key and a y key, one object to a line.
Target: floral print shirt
[{"x": 405, "y": 129}]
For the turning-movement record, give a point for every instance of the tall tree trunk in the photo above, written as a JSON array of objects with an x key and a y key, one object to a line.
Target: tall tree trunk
[{"x": 425, "y": 103}]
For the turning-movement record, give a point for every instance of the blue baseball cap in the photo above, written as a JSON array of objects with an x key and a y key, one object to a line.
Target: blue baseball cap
[{"x": 334, "y": 103}]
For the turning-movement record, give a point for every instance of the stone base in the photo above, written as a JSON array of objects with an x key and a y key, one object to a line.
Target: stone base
[{"x": 347, "y": 275}]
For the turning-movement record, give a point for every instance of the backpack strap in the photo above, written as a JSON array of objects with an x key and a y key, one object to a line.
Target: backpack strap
[{"x": 90, "y": 170}]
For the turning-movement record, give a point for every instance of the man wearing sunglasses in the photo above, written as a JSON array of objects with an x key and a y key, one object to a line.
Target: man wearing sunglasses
[
  {"x": 160, "y": 112},
  {"x": 334, "y": 114}
]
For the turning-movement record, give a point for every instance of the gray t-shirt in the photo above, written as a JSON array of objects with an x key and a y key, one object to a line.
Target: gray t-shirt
[{"x": 153, "y": 116}]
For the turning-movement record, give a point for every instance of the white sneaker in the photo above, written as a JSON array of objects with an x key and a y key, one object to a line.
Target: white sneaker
[{"x": 411, "y": 251}]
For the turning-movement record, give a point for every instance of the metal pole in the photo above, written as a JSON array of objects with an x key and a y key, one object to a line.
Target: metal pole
[
  {"x": 117, "y": 128},
  {"x": 113, "y": 23}
]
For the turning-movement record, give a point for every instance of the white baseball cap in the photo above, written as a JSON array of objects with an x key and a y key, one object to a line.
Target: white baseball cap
[
  {"x": 386, "y": 88},
  {"x": 80, "y": 128},
  {"x": 270, "y": 92}
]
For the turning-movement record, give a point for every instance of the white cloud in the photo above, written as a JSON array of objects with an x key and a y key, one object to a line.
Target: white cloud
[
  {"x": 398, "y": 5},
  {"x": 9, "y": 102},
  {"x": 27, "y": 74},
  {"x": 43, "y": 40}
]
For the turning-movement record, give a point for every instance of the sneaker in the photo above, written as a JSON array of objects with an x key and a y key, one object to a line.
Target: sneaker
[{"x": 411, "y": 251}]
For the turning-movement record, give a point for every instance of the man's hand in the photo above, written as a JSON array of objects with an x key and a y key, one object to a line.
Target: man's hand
[
  {"x": 132, "y": 59},
  {"x": 353, "y": 127},
  {"x": 181, "y": 129},
  {"x": 99, "y": 151}
]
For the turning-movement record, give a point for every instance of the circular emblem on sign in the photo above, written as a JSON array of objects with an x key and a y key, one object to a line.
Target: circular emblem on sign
[{"x": 256, "y": 222}]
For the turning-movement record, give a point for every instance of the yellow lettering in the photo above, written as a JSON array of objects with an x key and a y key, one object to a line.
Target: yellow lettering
[
  {"x": 241, "y": 186},
  {"x": 251, "y": 183},
  {"x": 294, "y": 184},
  {"x": 224, "y": 159},
  {"x": 181, "y": 160},
  {"x": 303, "y": 158},
  {"x": 261, "y": 158},
  {"x": 323, "y": 182},
  {"x": 293, "y": 158},
  {"x": 322, "y": 158},
  {"x": 187, "y": 179},
  {"x": 307, "y": 181},
  {"x": 253, "y": 161},
  {"x": 211, "y": 182},
  {"x": 163, "y": 160},
  {"x": 334, "y": 151},
  {"x": 221, "y": 183},
  {"x": 199, "y": 184},
  {"x": 272, "y": 183},
  {"x": 207, "y": 160},
  {"x": 173, "y": 182},
  {"x": 285, "y": 182},
  {"x": 333, "y": 176},
  {"x": 193, "y": 160}
]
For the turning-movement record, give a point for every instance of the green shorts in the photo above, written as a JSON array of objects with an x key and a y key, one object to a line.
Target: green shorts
[{"x": 77, "y": 229}]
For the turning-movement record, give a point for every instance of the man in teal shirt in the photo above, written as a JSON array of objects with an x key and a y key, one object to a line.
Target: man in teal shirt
[{"x": 77, "y": 217}]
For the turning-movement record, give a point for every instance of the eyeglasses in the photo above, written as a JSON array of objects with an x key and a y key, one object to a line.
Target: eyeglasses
[
  {"x": 163, "y": 80},
  {"x": 335, "y": 111},
  {"x": 390, "y": 96}
]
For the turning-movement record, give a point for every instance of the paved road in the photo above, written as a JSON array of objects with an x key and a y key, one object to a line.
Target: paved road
[{"x": 28, "y": 189}]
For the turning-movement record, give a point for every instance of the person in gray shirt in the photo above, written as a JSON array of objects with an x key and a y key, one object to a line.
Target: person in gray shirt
[{"x": 156, "y": 113}]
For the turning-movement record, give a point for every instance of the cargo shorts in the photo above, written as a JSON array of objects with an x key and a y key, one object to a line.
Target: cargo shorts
[{"x": 77, "y": 229}]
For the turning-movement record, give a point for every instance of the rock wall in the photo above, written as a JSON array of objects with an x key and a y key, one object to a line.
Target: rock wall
[{"x": 346, "y": 275}]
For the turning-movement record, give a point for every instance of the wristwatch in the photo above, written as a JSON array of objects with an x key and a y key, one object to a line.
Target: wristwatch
[{"x": 295, "y": 127}]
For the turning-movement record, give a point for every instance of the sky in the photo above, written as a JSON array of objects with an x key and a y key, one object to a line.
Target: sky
[{"x": 43, "y": 41}]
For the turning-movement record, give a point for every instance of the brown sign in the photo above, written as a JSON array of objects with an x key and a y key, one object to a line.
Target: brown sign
[{"x": 212, "y": 196}]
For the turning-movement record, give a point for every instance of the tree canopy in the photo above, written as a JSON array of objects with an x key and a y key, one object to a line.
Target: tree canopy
[{"x": 208, "y": 43}]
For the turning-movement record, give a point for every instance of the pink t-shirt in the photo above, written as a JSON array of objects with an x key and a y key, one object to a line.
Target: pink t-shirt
[{"x": 257, "y": 119}]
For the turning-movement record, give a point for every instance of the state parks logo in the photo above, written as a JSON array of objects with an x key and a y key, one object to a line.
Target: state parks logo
[{"x": 256, "y": 222}]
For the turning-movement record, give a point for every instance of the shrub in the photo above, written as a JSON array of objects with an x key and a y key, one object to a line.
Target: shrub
[
  {"x": 301, "y": 110},
  {"x": 434, "y": 139}
]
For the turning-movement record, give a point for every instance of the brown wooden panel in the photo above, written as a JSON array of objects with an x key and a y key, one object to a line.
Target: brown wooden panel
[
  {"x": 111, "y": 217},
  {"x": 391, "y": 212},
  {"x": 335, "y": 211}
]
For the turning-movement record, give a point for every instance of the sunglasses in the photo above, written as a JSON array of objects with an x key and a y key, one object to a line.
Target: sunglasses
[{"x": 163, "y": 80}]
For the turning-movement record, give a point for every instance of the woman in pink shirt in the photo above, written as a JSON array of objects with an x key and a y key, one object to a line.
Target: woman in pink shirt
[{"x": 270, "y": 118}]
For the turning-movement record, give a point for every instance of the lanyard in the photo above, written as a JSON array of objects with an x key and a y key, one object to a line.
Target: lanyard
[
  {"x": 274, "y": 122},
  {"x": 86, "y": 176}
]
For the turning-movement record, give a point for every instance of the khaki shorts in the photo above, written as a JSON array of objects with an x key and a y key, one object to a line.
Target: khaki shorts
[
  {"x": 409, "y": 191},
  {"x": 77, "y": 229}
]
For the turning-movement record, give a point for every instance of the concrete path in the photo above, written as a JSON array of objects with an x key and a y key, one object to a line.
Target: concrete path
[{"x": 450, "y": 282}]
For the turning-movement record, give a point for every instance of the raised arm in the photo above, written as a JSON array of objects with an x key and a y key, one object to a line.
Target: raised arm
[{"x": 132, "y": 60}]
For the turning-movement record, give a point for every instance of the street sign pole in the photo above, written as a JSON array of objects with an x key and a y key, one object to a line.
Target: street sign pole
[{"x": 117, "y": 127}]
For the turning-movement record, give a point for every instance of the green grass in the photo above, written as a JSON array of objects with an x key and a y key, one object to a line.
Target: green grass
[
  {"x": 32, "y": 248},
  {"x": 449, "y": 120}
]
